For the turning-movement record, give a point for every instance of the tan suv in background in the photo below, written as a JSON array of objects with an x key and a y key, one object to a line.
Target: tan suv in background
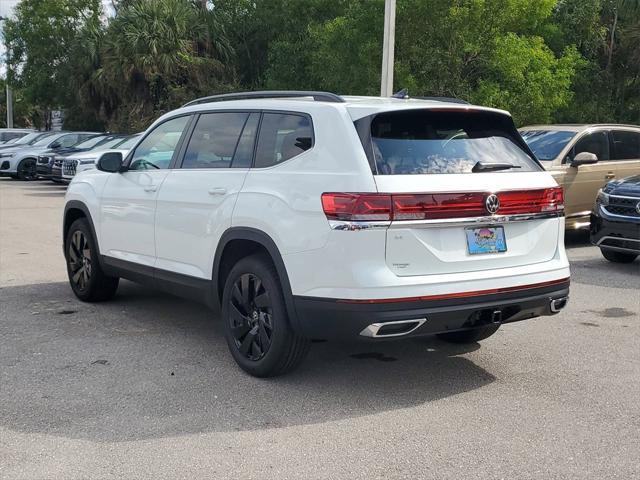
[{"x": 583, "y": 158}]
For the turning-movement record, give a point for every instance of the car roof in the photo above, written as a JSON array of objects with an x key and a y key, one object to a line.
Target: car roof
[
  {"x": 356, "y": 106},
  {"x": 577, "y": 127}
]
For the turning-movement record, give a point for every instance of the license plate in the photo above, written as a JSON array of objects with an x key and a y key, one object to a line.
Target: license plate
[{"x": 486, "y": 240}]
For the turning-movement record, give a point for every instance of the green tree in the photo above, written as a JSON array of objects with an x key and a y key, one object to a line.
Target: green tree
[
  {"x": 40, "y": 37},
  {"x": 155, "y": 55}
]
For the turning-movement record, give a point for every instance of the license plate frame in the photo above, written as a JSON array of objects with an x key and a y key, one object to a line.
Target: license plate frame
[{"x": 485, "y": 240}]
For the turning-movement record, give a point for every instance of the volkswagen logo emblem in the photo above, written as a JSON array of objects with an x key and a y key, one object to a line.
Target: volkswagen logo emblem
[
  {"x": 492, "y": 203},
  {"x": 638, "y": 207}
]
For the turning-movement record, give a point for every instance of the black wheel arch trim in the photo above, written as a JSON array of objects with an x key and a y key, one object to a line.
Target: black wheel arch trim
[
  {"x": 213, "y": 298},
  {"x": 263, "y": 239},
  {"x": 78, "y": 205}
]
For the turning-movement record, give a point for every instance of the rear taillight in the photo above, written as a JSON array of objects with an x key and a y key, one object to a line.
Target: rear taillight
[
  {"x": 437, "y": 206},
  {"x": 531, "y": 201},
  {"x": 356, "y": 206}
]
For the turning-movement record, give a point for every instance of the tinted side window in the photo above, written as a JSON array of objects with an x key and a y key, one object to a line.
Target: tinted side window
[
  {"x": 214, "y": 140},
  {"x": 282, "y": 136},
  {"x": 156, "y": 150},
  {"x": 626, "y": 145},
  {"x": 597, "y": 143}
]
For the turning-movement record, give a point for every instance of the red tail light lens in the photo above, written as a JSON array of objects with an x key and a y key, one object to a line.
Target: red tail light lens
[
  {"x": 531, "y": 201},
  {"x": 357, "y": 206},
  {"x": 436, "y": 206}
]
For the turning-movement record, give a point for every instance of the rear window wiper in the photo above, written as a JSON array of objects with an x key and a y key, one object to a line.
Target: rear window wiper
[{"x": 492, "y": 166}]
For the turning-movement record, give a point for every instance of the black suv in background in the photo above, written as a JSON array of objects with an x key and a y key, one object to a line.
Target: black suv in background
[{"x": 615, "y": 221}]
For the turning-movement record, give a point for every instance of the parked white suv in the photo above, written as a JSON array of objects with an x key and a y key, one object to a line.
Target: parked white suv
[{"x": 306, "y": 215}]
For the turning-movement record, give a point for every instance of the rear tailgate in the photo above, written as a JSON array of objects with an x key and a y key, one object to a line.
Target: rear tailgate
[
  {"x": 438, "y": 246},
  {"x": 467, "y": 194}
]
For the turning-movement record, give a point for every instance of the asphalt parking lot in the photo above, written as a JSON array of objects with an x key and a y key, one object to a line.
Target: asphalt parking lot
[{"x": 143, "y": 386}]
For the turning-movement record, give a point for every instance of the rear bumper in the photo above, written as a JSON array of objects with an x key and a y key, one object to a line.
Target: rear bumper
[{"x": 323, "y": 318}]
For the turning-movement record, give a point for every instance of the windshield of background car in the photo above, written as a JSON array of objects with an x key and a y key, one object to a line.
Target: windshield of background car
[
  {"x": 127, "y": 143},
  {"x": 107, "y": 143},
  {"x": 43, "y": 142},
  {"x": 91, "y": 142},
  {"x": 547, "y": 144},
  {"x": 414, "y": 142},
  {"x": 31, "y": 138}
]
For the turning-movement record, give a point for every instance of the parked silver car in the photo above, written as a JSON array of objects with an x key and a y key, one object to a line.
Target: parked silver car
[{"x": 21, "y": 163}]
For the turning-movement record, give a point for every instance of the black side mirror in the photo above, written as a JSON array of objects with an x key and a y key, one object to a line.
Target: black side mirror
[
  {"x": 110, "y": 162},
  {"x": 55, "y": 145},
  {"x": 584, "y": 158}
]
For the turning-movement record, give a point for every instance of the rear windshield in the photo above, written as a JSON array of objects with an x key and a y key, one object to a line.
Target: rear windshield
[
  {"x": 438, "y": 142},
  {"x": 547, "y": 144}
]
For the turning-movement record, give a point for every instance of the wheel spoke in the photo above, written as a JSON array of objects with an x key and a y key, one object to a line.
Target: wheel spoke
[
  {"x": 239, "y": 323},
  {"x": 76, "y": 276},
  {"x": 255, "y": 349},
  {"x": 75, "y": 242},
  {"x": 257, "y": 285},
  {"x": 244, "y": 281},
  {"x": 236, "y": 294},
  {"x": 72, "y": 254},
  {"x": 262, "y": 300},
  {"x": 264, "y": 338},
  {"x": 248, "y": 340}
]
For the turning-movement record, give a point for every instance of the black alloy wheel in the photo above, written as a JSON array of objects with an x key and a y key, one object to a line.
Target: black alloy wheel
[
  {"x": 27, "y": 170},
  {"x": 256, "y": 321},
  {"x": 251, "y": 317},
  {"x": 80, "y": 260}
]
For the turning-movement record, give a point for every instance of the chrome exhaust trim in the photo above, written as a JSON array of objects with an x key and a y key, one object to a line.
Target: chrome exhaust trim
[
  {"x": 373, "y": 330},
  {"x": 558, "y": 304}
]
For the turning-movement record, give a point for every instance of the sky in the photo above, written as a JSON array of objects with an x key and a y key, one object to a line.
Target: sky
[{"x": 6, "y": 6}]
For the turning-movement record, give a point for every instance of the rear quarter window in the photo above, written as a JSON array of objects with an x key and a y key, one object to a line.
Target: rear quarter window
[
  {"x": 282, "y": 136},
  {"x": 413, "y": 142},
  {"x": 626, "y": 145}
]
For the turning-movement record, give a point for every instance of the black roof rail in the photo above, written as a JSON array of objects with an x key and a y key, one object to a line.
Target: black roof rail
[
  {"x": 317, "y": 96},
  {"x": 443, "y": 99}
]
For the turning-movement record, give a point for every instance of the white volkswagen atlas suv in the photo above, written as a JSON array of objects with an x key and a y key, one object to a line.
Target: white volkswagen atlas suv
[{"x": 308, "y": 215}]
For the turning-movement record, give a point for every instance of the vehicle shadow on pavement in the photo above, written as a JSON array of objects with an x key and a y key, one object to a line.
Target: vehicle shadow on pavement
[{"x": 148, "y": 365}]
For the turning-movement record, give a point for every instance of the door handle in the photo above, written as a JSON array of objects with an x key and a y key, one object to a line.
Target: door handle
[
  {"x": 217, "y": 191},
  {"x": 610, "y": 175},
  {"x": 150, "y": 188}
]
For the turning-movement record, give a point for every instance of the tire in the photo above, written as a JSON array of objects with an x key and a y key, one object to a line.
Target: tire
[
  {"x": 27, "y": 170},
  {"x": 87, "y": 280},
  {"x": 469, "y": 336},
  {"x": 256, "y": 323},
  {"x": 618, "y": 257}
]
